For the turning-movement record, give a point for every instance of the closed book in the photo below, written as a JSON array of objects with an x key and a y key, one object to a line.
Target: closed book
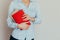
[{"x": 17, "y": 16}]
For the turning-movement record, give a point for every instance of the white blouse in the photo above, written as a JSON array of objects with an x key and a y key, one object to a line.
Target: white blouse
[{"x": 33, "y": 10}]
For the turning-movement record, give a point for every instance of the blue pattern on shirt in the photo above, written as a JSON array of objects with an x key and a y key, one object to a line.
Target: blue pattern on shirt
[{"x": 33, "y": 10}]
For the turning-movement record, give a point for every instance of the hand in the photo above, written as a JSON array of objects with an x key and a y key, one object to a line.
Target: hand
[
  {"x": 27, "y": 17},
  {"x": 23, "y": 26}
]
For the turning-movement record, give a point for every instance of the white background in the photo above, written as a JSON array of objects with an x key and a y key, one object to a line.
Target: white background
[{"x": 49, "y": 29}]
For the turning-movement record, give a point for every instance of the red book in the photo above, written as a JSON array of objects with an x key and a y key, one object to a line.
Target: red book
[{"x": 17, "y": 16}]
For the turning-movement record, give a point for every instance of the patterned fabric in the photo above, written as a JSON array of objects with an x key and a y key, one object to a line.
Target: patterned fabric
[{"x": 33, "y": 10}]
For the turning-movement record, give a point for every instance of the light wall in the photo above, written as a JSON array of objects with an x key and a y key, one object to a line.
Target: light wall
[
  {"x": 49, "y": 29},
  {"x": 4, "y": 30}
]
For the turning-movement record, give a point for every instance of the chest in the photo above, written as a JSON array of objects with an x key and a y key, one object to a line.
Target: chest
[
  {"x": 28, "y": 10},
  {"x": 31, "y": 10}
]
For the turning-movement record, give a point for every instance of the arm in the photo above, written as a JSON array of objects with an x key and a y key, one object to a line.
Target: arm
[
  {"x": 37, "y": 17},
  {"x": 10, "y": 22},
  {"x": 35, "y": 20}
]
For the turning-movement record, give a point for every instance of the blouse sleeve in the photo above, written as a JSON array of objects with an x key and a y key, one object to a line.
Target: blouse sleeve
[
  {"x": 10, "y": 23},
  {"x": 37, "y": 17}
]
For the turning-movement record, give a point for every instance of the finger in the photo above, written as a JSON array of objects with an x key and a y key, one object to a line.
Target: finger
[
  {"x": 24, "y": 17},
  {"x": 26, "y": 22},
  {"x": 24, "y": 14}
]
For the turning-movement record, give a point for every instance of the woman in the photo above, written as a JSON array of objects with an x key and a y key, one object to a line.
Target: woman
[{"x": 32, "y": 11}]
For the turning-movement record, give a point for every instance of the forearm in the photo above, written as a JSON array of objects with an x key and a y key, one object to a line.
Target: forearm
[
  {"x": 35, "y": 20},
  {"x": 11, "y": 23}
]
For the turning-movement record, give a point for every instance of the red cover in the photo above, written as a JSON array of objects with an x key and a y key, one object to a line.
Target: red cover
[{"x": 18, "y": 17}]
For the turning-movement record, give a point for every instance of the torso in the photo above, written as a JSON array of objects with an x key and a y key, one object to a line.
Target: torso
[{"x": 17, "y": 33}]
